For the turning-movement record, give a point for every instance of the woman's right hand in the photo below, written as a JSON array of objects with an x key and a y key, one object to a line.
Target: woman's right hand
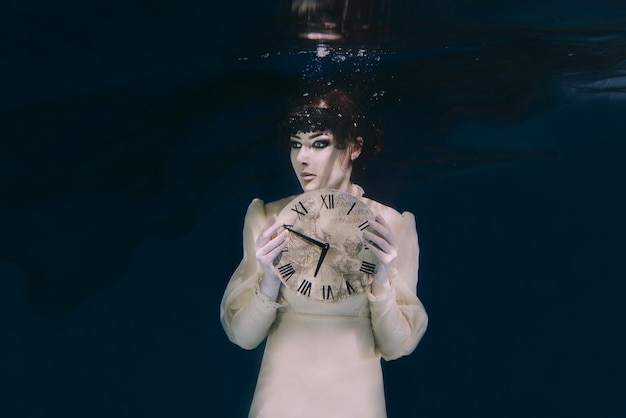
[{"x": 268, "y": 246}]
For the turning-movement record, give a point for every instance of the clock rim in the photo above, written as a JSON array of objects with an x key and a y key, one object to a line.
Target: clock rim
[{"x": 318, "y": 192}]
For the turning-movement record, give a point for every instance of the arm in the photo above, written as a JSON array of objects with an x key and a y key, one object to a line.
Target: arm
[
  {"x": 246, "y": 312},
  {"x": 398, "y": 317}
]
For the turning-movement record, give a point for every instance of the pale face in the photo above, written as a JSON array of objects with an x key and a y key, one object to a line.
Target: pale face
[{"x": 318, "y": 164}]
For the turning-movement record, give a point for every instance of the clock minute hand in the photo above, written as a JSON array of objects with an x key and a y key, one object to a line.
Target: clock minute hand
[{"x": 304, "y": 237}]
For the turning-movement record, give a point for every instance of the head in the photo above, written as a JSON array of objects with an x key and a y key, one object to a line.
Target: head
[{"x": 329, "y": 140}]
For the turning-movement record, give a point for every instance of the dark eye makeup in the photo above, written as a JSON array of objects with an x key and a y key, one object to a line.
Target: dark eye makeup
[{"x": 323, "y": 143}]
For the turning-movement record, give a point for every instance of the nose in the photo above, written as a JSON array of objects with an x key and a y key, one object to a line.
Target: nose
[{"x": 303, "y": 156}]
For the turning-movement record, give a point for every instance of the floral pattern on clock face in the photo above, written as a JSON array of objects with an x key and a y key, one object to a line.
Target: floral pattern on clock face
[{"x": 327, "y": 259}]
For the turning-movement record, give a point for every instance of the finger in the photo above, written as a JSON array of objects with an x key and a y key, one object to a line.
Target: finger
[
  {"x": 382, "y": 228},
  {"x": 268, "y": 231},
  {"x": 378, "y": 240},
  {"x": 376, "y": 227},
  {"x": 271, "y": 256},
  {"x": 378, "y": 253},
  {"x": 382, "y": 221},
  {"x": 278, "y": 241},
  {"x": 267, "y": 257},
  {"x": 383, "y": 258}
]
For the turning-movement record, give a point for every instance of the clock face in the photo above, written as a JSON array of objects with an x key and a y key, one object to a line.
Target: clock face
[{"x": 327, "y": 259}]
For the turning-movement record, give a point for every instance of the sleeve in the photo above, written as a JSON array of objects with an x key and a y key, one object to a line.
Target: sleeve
[
  {"x": 399, "y": 319},
  {"x": 246, "y": 313}
]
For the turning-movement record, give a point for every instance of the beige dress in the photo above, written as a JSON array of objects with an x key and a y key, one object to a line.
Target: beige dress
[{"x": 323, "y": 360}]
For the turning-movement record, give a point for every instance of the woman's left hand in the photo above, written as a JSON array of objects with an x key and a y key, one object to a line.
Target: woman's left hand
[{"x": 383, "y": 244}]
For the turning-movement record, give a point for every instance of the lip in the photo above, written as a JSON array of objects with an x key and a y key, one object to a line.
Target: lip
[{"x": 307, "y": 176}]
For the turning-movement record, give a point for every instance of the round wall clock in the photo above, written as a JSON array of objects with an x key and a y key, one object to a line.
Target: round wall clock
[{"x": 327, "y": 259}]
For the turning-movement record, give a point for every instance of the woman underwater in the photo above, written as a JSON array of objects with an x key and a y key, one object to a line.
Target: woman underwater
[{"x": 323, "y": 359}]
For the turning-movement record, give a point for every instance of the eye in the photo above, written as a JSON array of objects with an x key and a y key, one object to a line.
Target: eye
[
  {"x": 295, "y": 144},
  {"x": 323, "y": 143}
]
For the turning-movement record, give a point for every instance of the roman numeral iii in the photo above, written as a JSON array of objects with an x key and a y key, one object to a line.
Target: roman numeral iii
[{"x": 367, "y": 268}]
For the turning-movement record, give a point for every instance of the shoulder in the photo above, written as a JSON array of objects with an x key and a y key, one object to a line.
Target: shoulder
[
  {"x": 271, "y": 208},
  {"x": 403, "y": 224},
  {"x": 259, "y": 212},
  {"x": 389, "y": 214}
]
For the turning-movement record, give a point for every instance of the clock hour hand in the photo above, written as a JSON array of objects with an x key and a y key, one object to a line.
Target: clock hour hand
[
  {"x": 306, "y": 238},
  {"x": 321, "y": 259}
]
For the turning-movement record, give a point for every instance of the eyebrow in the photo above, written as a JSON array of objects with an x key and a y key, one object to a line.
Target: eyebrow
[{"x": 311, "y": 137}]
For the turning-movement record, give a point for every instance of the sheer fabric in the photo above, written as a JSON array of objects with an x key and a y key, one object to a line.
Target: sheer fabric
[{"x": 323, "y": 360}]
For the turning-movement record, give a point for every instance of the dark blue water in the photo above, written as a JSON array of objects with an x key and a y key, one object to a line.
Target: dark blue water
[{"x": 135, "y": 134}]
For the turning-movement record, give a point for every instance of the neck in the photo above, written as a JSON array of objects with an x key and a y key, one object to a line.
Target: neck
[{"x": 346, "y": 186}]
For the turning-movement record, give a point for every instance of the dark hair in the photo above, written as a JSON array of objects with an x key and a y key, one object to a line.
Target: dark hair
[{"x": 337, "y": 112}]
